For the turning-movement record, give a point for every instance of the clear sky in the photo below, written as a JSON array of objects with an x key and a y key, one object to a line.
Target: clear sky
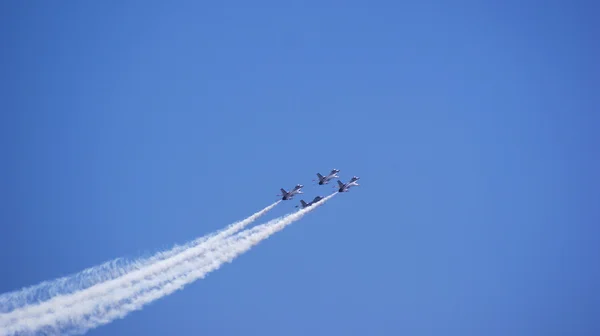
[{"x": 129, "y": 126}]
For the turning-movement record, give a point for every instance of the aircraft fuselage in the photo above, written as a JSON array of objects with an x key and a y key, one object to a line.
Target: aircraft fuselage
[
  {"x": 326, "y": 179},
  {"x": 345, "y": 186},
  {"x": 288, "y": 195}
]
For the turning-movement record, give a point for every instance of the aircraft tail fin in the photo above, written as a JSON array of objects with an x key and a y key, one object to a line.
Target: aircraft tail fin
[
  {"x": 303, "y": 203},
  {"x": 320, "y": 176},
  {"x": 340, "y": 183},
  {"x": 283, "y": 192}
]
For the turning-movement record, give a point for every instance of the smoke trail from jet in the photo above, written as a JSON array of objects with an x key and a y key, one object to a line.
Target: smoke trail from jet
[
  {"x": 104, "y": 272},
  {"x": 117, "y": 304},
  {"x": 134, "y": 273},
  {"x": 84, "y": 279}
]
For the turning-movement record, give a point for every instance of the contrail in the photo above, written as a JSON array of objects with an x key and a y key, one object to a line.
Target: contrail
[
  {"x": 87, "y": 315},
  {"x": 137, "y": 272},
  {"x": 84, "y": 279}
]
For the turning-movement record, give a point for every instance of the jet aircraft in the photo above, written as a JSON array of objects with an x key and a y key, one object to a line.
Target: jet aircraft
[
  {"x": 345, "y": 186},
  {"x": 315, "y": 200},
  {"x": 288, "y": 195},
  {"x": 326, "y": 179}
]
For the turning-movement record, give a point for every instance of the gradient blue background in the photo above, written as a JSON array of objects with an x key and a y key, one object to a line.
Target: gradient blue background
[{"x": 126, "y": 127}]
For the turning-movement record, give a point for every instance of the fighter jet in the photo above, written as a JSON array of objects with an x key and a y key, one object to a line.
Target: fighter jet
[
  {"x": 288, "y": 195},
  {"x": 345, "y": 186},
  {"x": 315, "y": 200},
  {"x": 325, "y": 179}
]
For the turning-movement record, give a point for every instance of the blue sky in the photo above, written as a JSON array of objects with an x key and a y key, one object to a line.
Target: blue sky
[{"x": 127, "y": 127}]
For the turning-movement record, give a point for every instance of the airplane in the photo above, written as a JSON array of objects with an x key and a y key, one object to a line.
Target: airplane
[
  {"x": 315, "y": 200},
  {"x": 345, "y": 186},
  {"x": 325, "y": 179},
  {"x": 288, "y": 195}
]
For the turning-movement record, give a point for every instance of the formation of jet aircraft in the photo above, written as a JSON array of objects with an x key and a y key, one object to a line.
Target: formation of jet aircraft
[{"x": 342, "y": 187}]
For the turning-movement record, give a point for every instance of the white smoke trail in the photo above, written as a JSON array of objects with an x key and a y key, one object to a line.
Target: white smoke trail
[
  {"x": 84, "y": 279},
  {"x": 82, "y": 317},
  {"x": 162, "y": 261}
]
